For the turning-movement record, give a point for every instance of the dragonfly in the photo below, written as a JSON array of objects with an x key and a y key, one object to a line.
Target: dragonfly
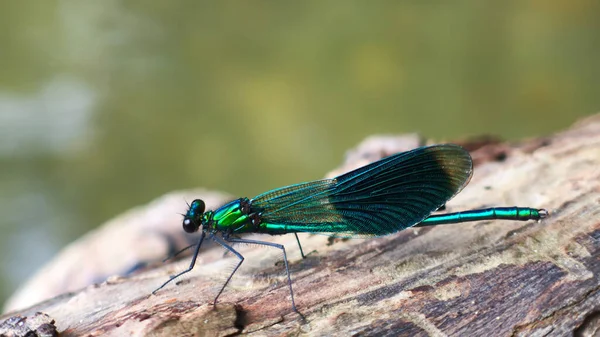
[{"x": 381, "y": 198}]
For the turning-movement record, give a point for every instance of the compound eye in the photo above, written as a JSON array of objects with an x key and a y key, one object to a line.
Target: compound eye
[
  {"x": 198, "y": 206},
  {"x": 190, "y": 226}
]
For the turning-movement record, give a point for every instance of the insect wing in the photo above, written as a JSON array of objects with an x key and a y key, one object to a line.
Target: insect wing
[{"x": 383, "y": 197}]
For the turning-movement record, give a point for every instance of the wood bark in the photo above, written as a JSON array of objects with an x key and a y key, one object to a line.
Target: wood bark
[{"x": 499, "y": 278}]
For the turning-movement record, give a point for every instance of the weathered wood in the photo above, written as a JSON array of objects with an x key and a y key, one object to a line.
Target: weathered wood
[
  {"x": 137, "y": 237},
  {"x": 497, "y": 278},
  {"x": 39, "y": 325}
]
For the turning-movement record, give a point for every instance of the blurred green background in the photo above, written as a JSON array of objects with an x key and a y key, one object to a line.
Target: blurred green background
[{"x": 105, "y": 105}]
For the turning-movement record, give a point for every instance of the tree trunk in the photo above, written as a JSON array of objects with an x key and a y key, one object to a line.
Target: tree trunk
[{"x": 500, "y": 278}]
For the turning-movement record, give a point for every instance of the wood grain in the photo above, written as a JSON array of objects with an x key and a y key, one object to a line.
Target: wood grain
[{"x": 497, "y": 278}]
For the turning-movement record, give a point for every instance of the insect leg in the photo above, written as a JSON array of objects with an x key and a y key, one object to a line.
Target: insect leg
[
  {"x": 287, "y": 269},
  {"x": 229, "y": 248},
  {"x": 172, "y": 256},
  {"x": 300, "y": 246},
  {"x": 189, "y": 268}
]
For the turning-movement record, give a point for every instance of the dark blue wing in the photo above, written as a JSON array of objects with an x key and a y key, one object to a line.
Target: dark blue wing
[{"x": 383, "y": 197}]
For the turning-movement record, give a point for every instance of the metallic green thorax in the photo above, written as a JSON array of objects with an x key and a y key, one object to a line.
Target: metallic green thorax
[
  {"x": 230, "y": 217},
  {"x": 233, "y": 217},
  {"x": 238, "y": 217}
]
